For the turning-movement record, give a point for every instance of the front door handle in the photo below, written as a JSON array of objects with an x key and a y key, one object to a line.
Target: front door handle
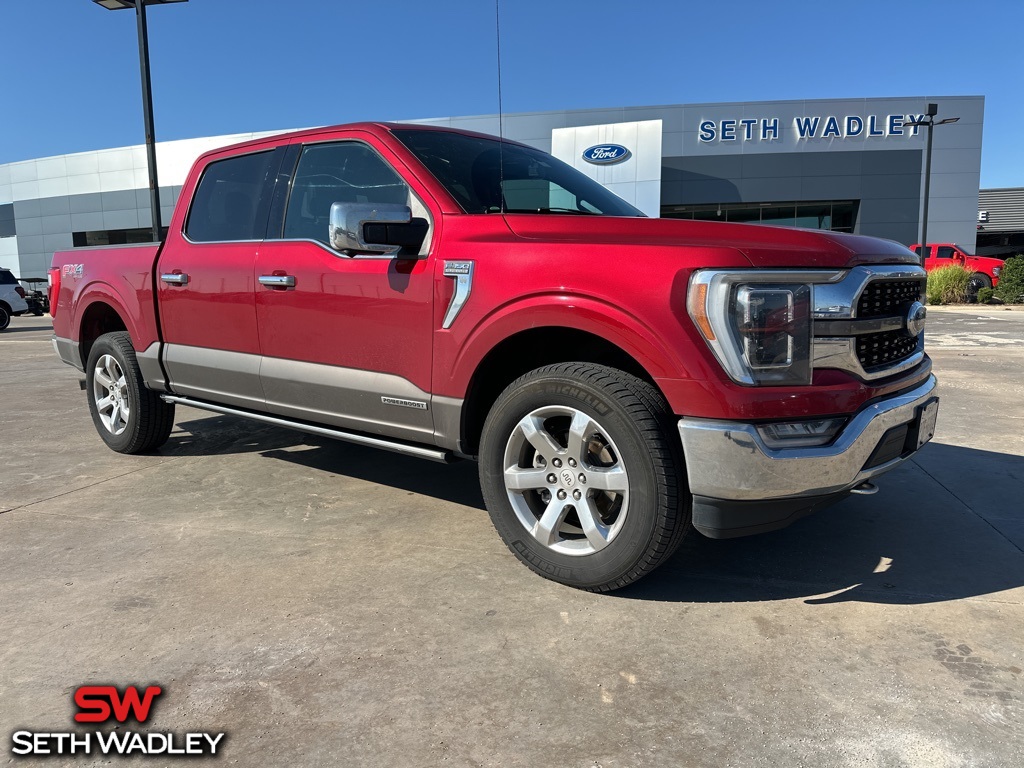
[
  {"x": 278, "y": 281},
  {"x": 175, "y": 278}
]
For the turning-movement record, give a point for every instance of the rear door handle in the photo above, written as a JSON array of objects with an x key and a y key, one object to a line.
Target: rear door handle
[
  {"x": 278, "y": 281},
  {"x": 175, "y": 278}
]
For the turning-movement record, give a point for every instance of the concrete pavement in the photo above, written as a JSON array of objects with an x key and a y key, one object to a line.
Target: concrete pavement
[{"x": 326, "y": 604}]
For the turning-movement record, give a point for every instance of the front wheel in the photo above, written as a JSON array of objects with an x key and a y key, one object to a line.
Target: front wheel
[
  {"x": 129, "y": 417},
  {"x": 978, "y": 281},
  {"x": 582, "y": 477}
]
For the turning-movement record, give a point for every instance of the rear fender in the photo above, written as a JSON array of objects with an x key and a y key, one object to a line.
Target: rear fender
[{"x": 137, "y": 318}]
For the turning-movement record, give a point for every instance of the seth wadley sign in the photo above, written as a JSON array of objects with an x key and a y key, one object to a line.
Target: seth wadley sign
[{"x": 816, "y": 127}]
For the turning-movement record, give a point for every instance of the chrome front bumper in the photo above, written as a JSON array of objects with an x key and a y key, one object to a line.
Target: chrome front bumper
[{"x": 728, "y": 461}]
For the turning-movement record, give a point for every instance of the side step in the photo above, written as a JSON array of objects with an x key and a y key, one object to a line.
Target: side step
[{"x": 384, "y": 443}]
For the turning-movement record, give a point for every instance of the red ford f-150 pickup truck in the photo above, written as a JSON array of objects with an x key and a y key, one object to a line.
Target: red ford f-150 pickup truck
[
  {"x": 984, "y": 269},
  {"x": 438, "y": 293}
]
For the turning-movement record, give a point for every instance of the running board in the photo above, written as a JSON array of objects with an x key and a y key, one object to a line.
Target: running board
[{"x": 397, "y": 446}]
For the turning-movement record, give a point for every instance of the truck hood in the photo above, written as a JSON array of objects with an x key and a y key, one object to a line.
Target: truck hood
[
  {"x": 763, "y": 246},
  {"x": 987, "y": 262}
]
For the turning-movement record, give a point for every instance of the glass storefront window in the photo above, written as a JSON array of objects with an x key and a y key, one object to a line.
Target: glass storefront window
[
  {"x": 779, "y": 215},
  {"x": 834, "y": 215},
  {"x": 114, "y": 237},
  {"x": 815, "y": 216},
  {"x": 743, "y": 214},
  {"x": 843, "y": 216}
]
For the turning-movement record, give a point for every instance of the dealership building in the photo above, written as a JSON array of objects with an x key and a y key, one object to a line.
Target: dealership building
[{"x": 849, "y": 165}]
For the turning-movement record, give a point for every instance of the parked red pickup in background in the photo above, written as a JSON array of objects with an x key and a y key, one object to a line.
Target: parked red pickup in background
[
  {"x": 985, "y": 270},
  {"x": 447, "y": 295}
]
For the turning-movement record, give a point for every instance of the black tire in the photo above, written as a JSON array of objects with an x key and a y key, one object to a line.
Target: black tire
[
  {"x": 149, "y": 420},
  {"x": 5, "y": 317},
  {"x": 978, "y": 281},
  {"x": 633, "y": 423}
]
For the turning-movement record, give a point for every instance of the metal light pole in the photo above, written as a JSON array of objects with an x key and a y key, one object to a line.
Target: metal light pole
[
  {"x": 147, "y": 96},
  {"x": 929, "y": 121}
]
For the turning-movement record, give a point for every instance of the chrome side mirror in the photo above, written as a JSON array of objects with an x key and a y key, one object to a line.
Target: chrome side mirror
[{"x": 346, "y": 231}]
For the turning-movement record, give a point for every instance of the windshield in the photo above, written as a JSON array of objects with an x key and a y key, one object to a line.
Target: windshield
[{"x": 488, "y": 176}]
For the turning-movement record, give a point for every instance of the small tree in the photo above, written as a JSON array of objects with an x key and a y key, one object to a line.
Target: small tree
[{"x": 1011, "y": 281}]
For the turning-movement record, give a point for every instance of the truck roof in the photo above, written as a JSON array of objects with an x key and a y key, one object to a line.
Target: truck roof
[{"x": 375, "y": 128}]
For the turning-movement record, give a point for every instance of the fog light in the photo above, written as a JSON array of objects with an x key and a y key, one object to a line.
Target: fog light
[{"x": 800, "y": 434}]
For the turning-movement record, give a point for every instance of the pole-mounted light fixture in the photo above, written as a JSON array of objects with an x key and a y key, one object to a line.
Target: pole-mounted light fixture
[
  {"x": 147, "y": 95},
  {"x": 928, "y": 120},
  {"x": 120, "y": 5}
]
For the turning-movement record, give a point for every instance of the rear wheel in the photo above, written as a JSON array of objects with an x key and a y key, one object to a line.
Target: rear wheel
[
  {"x": 5, "y": 317},
  {"x": 581, "y": 476},
  {"x": 129, "y": 417}
]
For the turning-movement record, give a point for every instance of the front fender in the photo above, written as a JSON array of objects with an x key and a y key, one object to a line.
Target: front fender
[{"x": 661, "y": 351}]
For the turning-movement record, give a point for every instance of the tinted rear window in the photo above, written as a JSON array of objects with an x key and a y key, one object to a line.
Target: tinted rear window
[
  {"x": 7, "y": 278},
  {"x": 228, "y": 196}
]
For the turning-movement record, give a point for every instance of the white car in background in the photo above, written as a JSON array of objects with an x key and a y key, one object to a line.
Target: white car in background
[{"x": 12, "y": 298}]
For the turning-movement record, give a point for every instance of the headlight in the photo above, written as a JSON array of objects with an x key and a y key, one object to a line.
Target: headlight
[
  {"x": 996, "y": 271},
  {"x": 757, "y": 324}
]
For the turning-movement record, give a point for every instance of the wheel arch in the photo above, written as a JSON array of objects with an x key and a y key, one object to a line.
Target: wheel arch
[
  {"x": 526, "y": 350},
  {"x": 98, "y": 318}
]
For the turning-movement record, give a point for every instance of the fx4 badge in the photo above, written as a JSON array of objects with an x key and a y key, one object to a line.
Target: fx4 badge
[{"x": 462, "y": 272}]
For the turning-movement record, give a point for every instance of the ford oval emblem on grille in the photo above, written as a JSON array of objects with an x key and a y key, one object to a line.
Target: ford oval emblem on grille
[
  {"x": 606, "y": 154},
  {"x": 915, "y": 318}
]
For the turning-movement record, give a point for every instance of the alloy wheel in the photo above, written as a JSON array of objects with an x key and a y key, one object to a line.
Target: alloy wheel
[
  {"x": 110, "y": 392},
  {"x": 566, "y": 480}
]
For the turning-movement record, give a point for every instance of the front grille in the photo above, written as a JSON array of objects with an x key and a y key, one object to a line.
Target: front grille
[
  {"x": 861, "y": 321},
  {"x": 888, "y": 297},
  {"x": 880, "y": 350}
]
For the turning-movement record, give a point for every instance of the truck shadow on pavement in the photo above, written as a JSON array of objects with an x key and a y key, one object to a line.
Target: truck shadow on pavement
[
  {"x": 218, "y": 435},
  {"x": 945, "y": 526}
]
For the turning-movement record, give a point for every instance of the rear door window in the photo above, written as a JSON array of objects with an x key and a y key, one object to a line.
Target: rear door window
[{"x": 227, "y": 201}]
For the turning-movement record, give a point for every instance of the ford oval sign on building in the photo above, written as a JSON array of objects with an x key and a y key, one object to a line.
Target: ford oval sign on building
[{"x": 606, "y": 154}]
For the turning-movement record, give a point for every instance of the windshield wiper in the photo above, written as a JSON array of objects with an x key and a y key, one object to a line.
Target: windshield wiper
[{"x": 573, "y": 211}]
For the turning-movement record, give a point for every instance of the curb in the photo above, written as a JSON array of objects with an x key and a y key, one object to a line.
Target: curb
[{"x": 976, "y": 307}]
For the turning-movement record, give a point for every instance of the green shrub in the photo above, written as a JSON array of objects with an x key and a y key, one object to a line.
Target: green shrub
[
  {"x": 1011, "y": 280},
  {"x": 948, "y": 285},
  {"x": 985, "y": 295}
]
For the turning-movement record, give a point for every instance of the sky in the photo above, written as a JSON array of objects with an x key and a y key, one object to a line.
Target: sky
[{"x": 71, "y": 80}]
